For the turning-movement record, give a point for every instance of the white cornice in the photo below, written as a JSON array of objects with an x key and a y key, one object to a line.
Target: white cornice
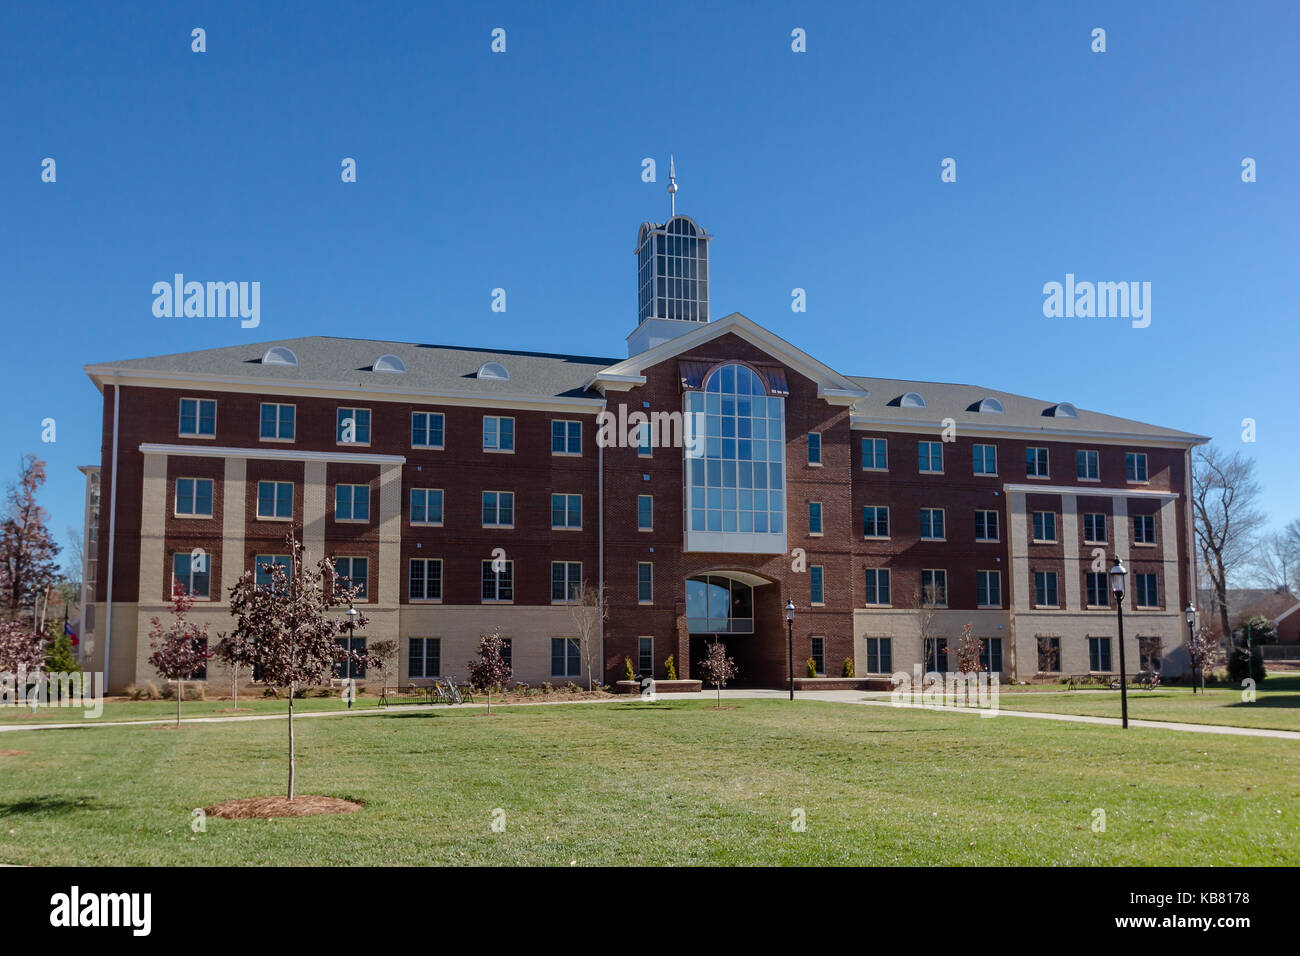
[
  {"x": 1089, "y": 491},
  {"x": 317, "y": 389},
  {"x": 272, "y": 454}
]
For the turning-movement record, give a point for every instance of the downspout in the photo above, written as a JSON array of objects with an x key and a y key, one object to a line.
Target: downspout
[
  {"x": 600, "y": 538},
  {"x": 112, "y": 534}
]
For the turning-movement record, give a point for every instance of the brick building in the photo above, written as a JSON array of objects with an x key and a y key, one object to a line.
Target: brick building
[{"x": 889, "y": 512}]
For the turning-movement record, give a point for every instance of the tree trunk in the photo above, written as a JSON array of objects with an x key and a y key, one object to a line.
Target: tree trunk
[
  {"x": 1221, "y": 590},
  {"x": 180, "y": 693},
  {"x": 291, "y": 689},
  {"x": 719, "y": 697},
  {"x": 234, "y": 686},
  {"x": 489, "y": 696}
]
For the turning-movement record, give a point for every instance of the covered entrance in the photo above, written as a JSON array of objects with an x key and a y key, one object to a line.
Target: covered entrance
[{"x": 739, "y": 609}]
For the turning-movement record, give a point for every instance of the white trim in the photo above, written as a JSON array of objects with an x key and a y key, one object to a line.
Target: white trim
[
  {"x": 1089, "y": 492},
  {"x": 980, "y": 430},
  {"x": 271, "y": 454},
  {"x": 1286, "y": 613}
]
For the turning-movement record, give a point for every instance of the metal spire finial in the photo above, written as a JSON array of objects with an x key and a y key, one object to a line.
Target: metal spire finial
[{"x": 672, "y": 183}]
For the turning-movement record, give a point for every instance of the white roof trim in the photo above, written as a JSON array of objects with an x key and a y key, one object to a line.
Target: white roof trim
[
  {"x": 1088, "y": 491},
  {"x": 742, "y": 326},
  {"x": 990, "y": 428},
  {"x": 272, "y": 454},
  {"x": 1287, "y": 613}
]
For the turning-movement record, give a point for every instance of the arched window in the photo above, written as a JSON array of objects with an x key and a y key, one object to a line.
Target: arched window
[
  {"x": 388, "y": 362},
  {"x": 279, "y": 355},
  {"x": 737, "y": 472},
  {"x": 912, "y": 400},
  {"x": 719, "y": 605},
  {"x": 494, "y": 370}
]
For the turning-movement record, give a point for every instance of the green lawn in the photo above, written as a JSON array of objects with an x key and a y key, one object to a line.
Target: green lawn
[
  {"x": 666, "y": 783},
  {"x": 166, "y": 709},
  {"x": 1276, "y": 705}
]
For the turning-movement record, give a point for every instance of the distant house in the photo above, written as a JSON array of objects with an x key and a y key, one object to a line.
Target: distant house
[{"x": 1279, "y": 605}]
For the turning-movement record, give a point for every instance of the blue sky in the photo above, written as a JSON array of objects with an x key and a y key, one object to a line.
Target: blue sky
[{"x": 522, "y": 170}]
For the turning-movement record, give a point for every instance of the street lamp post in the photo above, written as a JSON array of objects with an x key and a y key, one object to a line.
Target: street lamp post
[
  {"x": 1190, "y": 616},
  {"x": 789, "y": 621},
  {"x": 1118, "y": 575},
  {"x": 352, "y": 623}
]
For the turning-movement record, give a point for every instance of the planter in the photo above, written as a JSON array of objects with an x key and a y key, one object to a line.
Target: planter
[
  {"x": 843, "y": 683},
  {"x": 661, "y": 687}
]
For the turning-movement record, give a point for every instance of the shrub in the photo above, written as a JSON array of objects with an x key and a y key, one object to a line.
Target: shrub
[
  {"x": 548, "y": 687},
  {"x": 1243, "y": 663},
  {"x": 670, "y": 667},
  {"x": 812, "y": 667},
  {"x": 847, "y": 669},
  {"x": 629, "y": 673},
  {"x": 151, "y": 690},
  {"x": 270, "y": 692},
  {"x": 570, "y": 687}
]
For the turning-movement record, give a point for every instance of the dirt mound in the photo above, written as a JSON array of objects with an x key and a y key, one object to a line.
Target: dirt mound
[
  {"x": 265, "y": 808},
  {"x": 13, "y": 753}
]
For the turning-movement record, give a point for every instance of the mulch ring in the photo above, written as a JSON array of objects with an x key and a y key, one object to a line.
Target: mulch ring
[
  {"x": 13, "y": 753},
  {"x": 265, "y": 808}
]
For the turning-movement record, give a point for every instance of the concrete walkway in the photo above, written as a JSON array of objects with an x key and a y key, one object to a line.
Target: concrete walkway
[{"x": 880, "y": 699}]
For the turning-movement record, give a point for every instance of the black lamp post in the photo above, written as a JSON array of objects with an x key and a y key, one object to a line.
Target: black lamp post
[
  {"x": 1190, "y": 616},
  {"x": 352, "y": 623},
  {"x": 1118, "y": 575},
  {"x": 789, "y": 621}
]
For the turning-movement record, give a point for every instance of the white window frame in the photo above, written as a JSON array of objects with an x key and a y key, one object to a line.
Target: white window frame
[
  {"x": 279, "y": 412},
  {"x": 883, "y": 442},
  {"x": 198, "y": 416},
  {"x": 938, "y": 576},
  {"x": 566, "y": 526},
  {"x": 257, "y": 503},
  {"x": 1046, "y": 472},
  {"x": 429, "y": 416},
  {"x": 997, "y": 520},
  {"x": 496, "y": 449},
  {"x": 889, "y": 585},
  {"x": 1146, "y": 520},
  {"x": 194, "y": 498},
  {"x": 1139, "y": 457},
  {"x": 352, "y": 499},
  {"x": 639, "y": 499},
  {"x": 425, "y": 577},
  {"x": 815, "y": 441},
  {"x": 569, "y": 584},
  {"x": 929, "y": 458},
  {"x": 1092, "y": 462},
  {"x": 338, "y": 425},
  {"x": 992, "y": 576},
  {"x": 497, "y": 523},
  {"x": 943, "y": 520},
  {"x": 350, "y": 558},
  {"x": 889, "y": 527},
  {"x": 815, "y": 507},
  {"x": 640, "y": 600},
  {"x": 1033, "y": 531},
  {"x": 1056, "y": 586},
  {"x": 496, "y": 582},
  {"x": 566, "y": 422},
  {"x": 442, "y": 504},
  {"x": 980, "y": 457},
  {"x": 1105, "y": 527}
]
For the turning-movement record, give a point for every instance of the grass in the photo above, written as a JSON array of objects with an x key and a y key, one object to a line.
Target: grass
[
  {"x": 665, "y": 783},
  {"x": 166, "y": 709},
  {"x": 1276, "y": 705}
]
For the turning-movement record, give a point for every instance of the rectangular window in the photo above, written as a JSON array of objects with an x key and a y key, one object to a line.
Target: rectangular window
[
  {"x": 986, "y": 526},
  {"x": 645, "y": 582},
  {"x": 352, "y": 426},
  {"x": 498, "y": 433},
  {"x": 880, "y": 655},
  {"x": 426, "y": 506},
  {"x": 1049, "y": 655},
  {"x": 874, "y": 457},
  {"x": 1099, "y": 654},
  {"x": 1144, "y": 529},
  {"x": 934, "y": 588},
  {"x": 645, "y": 656},
  {"x": 426, "y": 579},
  {"x": 819, "y": 655},
  {"x": 566, "y": 580},
  {"x": 936, "y": 654},
  {"x": 566, "y": 512},
  {"x": 1045, "y": 592},
  {"x": 1085, "y": 466},
  {"x": 424, "y": 657},
  {"x": 991, "y": 654},
  {"x": 347, "y": 669},
  {"x": 498, "y": 586},
  {"x": 352, "y": 571},
  {"x": 192, "y": 575},
  {"x": 875, "y": 521},
  {"x": 1045, "y": 527},
  {"x": 276, "y": 422},
  {"x": 1135, "y": 466},
  {"x": 643, "y": 447},
  {"x": 566, "y": 657},
  {"x": 645, "y": 513},
  {"x": 1094, "y": 528},
  {"x": 932, "y": 524},
  {"x": 1096, "y": 589},
  {"x": 351, "y": 502},
  {"x": 198, "y": 418},
  {"x": 508, "y": 653},
  {"x": 194, "y": 497},
  {"x": 427, "y": 429},
  {"x": 929, "y": 456},
  {"x": 877, "y": 581},
  {"x": 986, "y": 459},
  {"x": 1036, "y": 462},
  {"x": 264, "y": 573},
  {"x": 816, "y": 584},
  {"x": 566, "y": 437},
  {"x": 1149, "y": 653},
  {"x": 814, "y": 517},
  {"x": 274, "y": 499},
  {"x": 498, "y": 509},
  {"x": 201, "y": 672},
  {"x": 988, "y": 588},
  {"x": 1147, "y": 590},
  {"x": 814, "y": 448}
]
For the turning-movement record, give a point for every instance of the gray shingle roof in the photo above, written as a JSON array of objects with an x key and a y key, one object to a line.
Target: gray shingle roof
[
  {"x": 947, "y": 400},
  {"x": 446, "y": 369},
  {"x": 330, "y": 361}
]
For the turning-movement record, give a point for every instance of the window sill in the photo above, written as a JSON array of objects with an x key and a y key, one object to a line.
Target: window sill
[
  {"x": 351, "y": 444},
  {"x": 815, "y": 464},
  {"x": 1045, "y": 541},
  {"x": 498, "y": 451},
  {"x": 487, "y": 601},
  {"x": 1038, "y": 477},
  {"x": 645, "y": 603},
  {"x": 941, "y": 540},
  {"x": 1144, "y": 544},
  {"x": 426, "y": 524},
  {"x": 565, "y": 454},
  {"x": 557, "y": 527},
  {"x": 990, "y": 541},
  {"x": 1098, "y": 543},
  {"x": 424, "y": 601},
  {"x": 499, "y": 527},
  {"x": 875, "y": 537},
  {"x": 428, "y": 448},
  {"x": 271, "y": 518},
  {"x": 277, "y": 441},
  {"x": 182, "y": 517},
  {"x": 1094, "y": 481},
  {"x": 877, "y": 470},
  {"x": 352, "y": 521},
  {"x": 878, "y": 605},
  {"x": 920, "y": 471},
  {"x": 183, "y": 435}
]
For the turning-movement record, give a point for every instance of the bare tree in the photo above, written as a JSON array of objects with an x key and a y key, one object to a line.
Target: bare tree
[
  {"x": 27, "y": 549},
  {"x": 926, "y": 615},
  {"x": 1276, "y": 562},
  {"x": 1227, "y": 518},
  {"x": 588, "y": 610}
]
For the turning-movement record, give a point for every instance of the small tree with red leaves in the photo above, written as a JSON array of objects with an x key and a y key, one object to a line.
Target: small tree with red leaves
[
  {"x": 717, "y": 668},
  {"x": 21, "y": 651},
  {"x": 489, "y": 669},
  {"x": 969, "y": 648},
  {"x": 181, "y": 648},
  {"x": 284, "y": 629}
]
